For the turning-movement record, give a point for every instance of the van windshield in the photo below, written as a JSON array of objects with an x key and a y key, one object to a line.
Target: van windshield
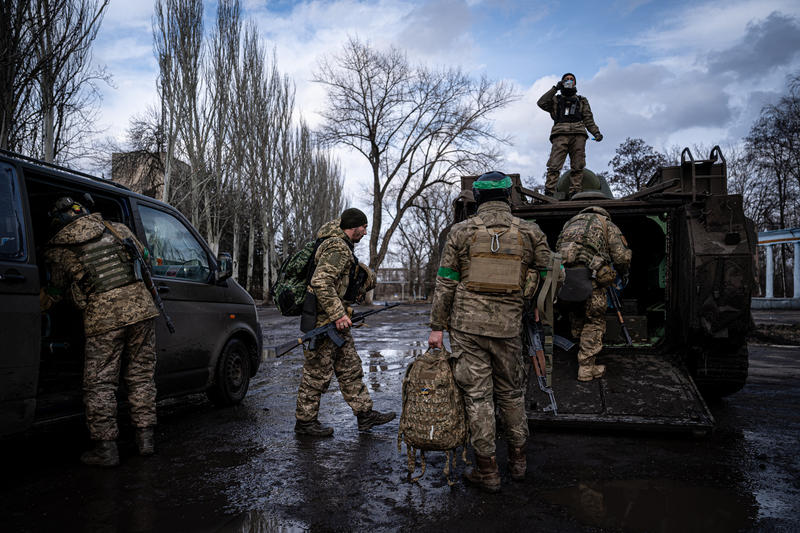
[{"x": 12, "y": 245}]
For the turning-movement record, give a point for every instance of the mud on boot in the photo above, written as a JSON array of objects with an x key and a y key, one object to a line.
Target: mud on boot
[
  {"x": 485, "y": 474},
  {"x": 517, "y": 462},
  {"x": 373, "y": 418},
  {"x": 145, "y": 441},
  {"x": 588, "y": 373},
  {"x": 312, "y": 428},
  {"x": 104, "y": 453}
]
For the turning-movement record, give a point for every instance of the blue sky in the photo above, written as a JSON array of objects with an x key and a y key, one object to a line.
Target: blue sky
[{"x": 672, "y": 73}]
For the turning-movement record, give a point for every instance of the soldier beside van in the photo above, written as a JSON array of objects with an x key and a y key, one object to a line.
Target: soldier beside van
[
  {"x": 479, "y": 300},
  {"x": 594, "y": 251},
  {"x": 571, "y": 116},
  {"x": 88, "y": 263}
]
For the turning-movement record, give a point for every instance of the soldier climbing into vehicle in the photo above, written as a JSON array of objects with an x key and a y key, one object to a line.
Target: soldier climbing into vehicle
[
  {"x": 479, "y": 300},
  {"x": 571, "y": 116},
  {"x": 594, "y": 252},
  {"x": 89, "y": 264}
]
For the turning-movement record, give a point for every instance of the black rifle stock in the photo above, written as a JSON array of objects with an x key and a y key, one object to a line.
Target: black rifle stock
[
  {"x": 312, "y": 337},
  {"x": 614, "y": 297}
]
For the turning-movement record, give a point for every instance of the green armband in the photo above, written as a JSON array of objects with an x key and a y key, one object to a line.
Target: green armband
[{"x": 448, "y": 273}]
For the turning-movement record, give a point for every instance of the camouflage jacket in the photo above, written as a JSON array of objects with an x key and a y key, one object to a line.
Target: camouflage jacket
[
  {"x": 590, "y": 238},
  {"x": 490, "y": 315},
  {"x": 105, "y": 311},
  {"x": 549, "y": 103},
  {"x": 331, "y": 278}
]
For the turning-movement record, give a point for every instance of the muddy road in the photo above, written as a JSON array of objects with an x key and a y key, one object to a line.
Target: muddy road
[{"x": 242, "y": 469}]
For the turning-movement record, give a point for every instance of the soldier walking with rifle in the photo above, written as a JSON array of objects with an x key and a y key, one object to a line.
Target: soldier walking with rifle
[
  {"x": 334, "y": 284},
  {"x": 592, "y": 247},
  {"x": 90, "y": 261}
]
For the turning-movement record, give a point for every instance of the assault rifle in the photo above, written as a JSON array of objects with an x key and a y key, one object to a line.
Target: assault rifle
[
  {"x": 532, "y": 329},
  {"x": 614, "y": 297},
  {"x": 144, "y": 269},
  {"x": 147, "y": 278},
  {"x": 312, "y": 337}
]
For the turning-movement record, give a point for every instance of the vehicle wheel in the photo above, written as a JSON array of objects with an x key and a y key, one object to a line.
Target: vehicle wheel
[{"x": 232, "y": 376}]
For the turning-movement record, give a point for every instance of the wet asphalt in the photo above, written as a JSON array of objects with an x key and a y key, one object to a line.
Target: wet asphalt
[{"x": 242, "y": 469}]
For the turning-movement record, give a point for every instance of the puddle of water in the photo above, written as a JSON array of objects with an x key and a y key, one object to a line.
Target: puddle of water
[{"x": 656, "y": 505}]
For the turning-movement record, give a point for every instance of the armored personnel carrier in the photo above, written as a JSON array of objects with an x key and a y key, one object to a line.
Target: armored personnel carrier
[{"x": 687, "y": 305}]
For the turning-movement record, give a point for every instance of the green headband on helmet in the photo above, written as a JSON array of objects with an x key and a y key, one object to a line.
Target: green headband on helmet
[{"x": 504, "y": 183}]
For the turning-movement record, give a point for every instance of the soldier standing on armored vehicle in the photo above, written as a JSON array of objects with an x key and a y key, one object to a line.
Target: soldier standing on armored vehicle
[
  {"x": 479, "y": 299},
  {"x": 88, "y": 261},
  {"x": 592, "y": 245},
  {"x": 333, "y": 286},
  {"x": 571, "y": 116}
]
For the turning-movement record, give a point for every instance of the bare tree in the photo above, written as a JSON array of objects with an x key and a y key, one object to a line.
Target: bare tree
[
  {"x": 50, "y": 96},
  {"x": 418, "y": 246},
  {"x": 417, "y": 127},
  {"x": 634, "y": 165}
]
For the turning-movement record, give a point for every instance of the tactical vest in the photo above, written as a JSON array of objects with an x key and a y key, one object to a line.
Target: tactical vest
[
  {"x": 582, "y": 251},
  {"x": 495, "y": 260},
  {"x": 568, "y": 109},
  {"x": 106, "y": 264}
]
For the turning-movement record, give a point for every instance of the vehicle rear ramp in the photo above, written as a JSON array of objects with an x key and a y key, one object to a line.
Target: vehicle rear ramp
[{"x": 640, "y": 391}]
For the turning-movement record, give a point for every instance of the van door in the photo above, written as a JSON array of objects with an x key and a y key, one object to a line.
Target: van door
[
  {"x": 20, "y": 319},
  {"x": 182, "y": 271}
]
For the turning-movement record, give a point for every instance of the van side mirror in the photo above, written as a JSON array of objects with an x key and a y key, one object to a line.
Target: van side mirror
[{"x": 224, "y": 266}]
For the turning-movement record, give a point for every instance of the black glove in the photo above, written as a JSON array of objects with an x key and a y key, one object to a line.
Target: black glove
[
  {"x": 560, "y": 85},
  {"x": 598, "y": 137}
]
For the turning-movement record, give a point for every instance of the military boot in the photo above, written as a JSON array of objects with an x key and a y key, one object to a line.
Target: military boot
[
  {"x": 517, "y": 462},
  {"x": 485, "y": 474},
  {"x": 104, "y": 453},
  {"x": 373, "y": 418},
  {"x": 145, "y": 441},
  {"x": 591, "y": 371},
  {"x": 312, "y": 428}
]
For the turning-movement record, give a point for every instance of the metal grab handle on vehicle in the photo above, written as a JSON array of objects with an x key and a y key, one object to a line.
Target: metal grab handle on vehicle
[
  {"x": 163, "y": 288},
  {"x": 12, "y": 277}
]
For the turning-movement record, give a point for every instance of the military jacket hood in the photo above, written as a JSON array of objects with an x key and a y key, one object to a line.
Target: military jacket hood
[
  {"x": 598, "y": 210},
  {"x": 332, "y": 229},
  {"x": 80, "y": 230}
]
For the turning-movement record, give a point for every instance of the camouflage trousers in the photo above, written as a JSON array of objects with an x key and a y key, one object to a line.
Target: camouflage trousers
[
  {"x": 590, "y": 325},
  {"x": 105, "y": 353},
  {"x": 320, "y": 366},
  {"x": 489, "y": 369},
  {"x": 575, "y": 147}
]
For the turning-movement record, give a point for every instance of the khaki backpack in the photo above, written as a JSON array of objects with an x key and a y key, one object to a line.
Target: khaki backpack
[{"x": 433, "y": 417}]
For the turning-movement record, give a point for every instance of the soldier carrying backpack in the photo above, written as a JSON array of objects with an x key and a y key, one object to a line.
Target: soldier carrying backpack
[
  {"x": 479, "y": 299},
  {"x": 332, "y": 286}
]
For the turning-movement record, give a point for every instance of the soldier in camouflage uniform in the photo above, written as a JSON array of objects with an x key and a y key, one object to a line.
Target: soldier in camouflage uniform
[
  {"x": 335, "y": 272},
  {"x": 88, "y": 263},
  {"x": 590, "y": 239},
  {"x": 571, "y": 116},
  {"x": 479, "y": 300}
]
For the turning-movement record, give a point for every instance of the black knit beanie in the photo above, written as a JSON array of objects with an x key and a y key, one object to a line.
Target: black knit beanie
[
  {"x": 352, "y": 218},
  {"x": 568, "y": 74}
]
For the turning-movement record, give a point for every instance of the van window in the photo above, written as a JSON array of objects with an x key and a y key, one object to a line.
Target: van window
[
  {"x": 175, "y": 252},
  {"x": 12, "y": 244}
]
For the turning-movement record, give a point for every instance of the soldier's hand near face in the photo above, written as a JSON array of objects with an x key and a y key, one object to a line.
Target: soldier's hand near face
[
  {"x": 343, "y": 323},
  {"x": 435, "y": 340}
]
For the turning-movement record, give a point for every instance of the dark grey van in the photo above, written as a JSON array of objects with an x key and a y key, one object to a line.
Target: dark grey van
[{"x": 217, "y": 343}]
